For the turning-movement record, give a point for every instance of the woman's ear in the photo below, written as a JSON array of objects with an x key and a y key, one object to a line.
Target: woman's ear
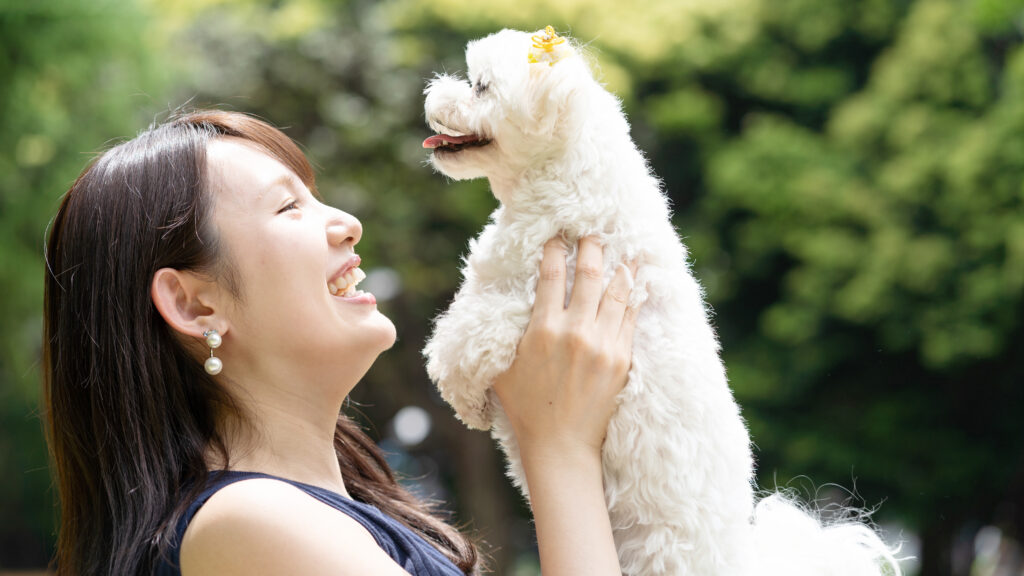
[{"x": 186, "y": 302}]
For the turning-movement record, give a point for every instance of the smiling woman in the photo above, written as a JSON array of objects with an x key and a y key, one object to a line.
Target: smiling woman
[
  {"x": 204, "y": 241},
  {"x": 217, "y": 214}
]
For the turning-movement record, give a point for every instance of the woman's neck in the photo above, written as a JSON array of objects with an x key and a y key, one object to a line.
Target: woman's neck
[{"x": 284, "y": 435}]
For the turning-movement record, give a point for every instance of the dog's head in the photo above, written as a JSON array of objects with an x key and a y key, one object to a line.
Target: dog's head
[{"x": 522, "y": 103}]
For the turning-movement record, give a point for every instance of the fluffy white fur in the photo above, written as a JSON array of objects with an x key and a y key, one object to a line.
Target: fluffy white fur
[{"x": 677, "y": 460}]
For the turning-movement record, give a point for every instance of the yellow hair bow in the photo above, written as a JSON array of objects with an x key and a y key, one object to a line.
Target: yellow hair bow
[{"x": 549, "y": 47}]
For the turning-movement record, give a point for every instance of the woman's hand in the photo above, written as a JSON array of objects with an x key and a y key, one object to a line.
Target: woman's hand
[
  {"x": 560, "y": 391},
  {"x": 559, "y": 394}
]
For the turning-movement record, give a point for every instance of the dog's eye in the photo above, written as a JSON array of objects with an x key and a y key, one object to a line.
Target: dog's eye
[{"x": 479, "y": 88}]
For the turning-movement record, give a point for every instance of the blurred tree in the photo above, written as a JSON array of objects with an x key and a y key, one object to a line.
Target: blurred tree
[
  {"x": 873, "y": 309},
  {"x": 74, "y": 73}
]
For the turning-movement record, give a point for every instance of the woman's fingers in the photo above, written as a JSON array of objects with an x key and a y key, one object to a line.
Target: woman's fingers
[
  {"x": 586, "y": 290},
  {"x": 626, "y": 330},
  {"x": 551, "y": 283},
  {"x": 607, "y": 309},
  {"x": 570, "y": 363},
  {"x": 614, "y": 301}
]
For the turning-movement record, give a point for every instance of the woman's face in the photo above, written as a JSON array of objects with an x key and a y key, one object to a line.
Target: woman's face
[{"x": 286, "y": 247}]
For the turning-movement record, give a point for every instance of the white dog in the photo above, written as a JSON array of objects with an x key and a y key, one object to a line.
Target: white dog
[{"x": 677, "y": 460}]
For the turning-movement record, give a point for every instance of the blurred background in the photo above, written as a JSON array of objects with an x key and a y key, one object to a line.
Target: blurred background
[{"x": 848, "y": 174}]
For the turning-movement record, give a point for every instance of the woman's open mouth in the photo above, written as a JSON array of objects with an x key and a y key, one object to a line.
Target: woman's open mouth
[
  {"x": 344, "y": 287},
  {"x": 446, "y": 143}
]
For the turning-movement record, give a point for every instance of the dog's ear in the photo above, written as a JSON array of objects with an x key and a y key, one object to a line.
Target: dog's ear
[{"x": 553, "y": 95}]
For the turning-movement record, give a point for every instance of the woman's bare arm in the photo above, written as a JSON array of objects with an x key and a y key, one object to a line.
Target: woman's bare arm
[{"x": 559, "y": 394}]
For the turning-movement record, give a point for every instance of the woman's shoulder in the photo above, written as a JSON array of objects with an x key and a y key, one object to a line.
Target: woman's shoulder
[{"x": 268, "y": 526}]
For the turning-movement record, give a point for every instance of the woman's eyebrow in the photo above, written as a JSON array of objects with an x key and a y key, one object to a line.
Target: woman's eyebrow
[{"x": 287, "y": 181}]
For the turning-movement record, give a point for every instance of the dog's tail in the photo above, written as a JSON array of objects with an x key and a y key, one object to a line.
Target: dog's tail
[{"x": 790, "y": 541}]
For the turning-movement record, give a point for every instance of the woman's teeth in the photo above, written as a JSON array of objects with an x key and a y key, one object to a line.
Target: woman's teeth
[{"x": 345, "y": 285}]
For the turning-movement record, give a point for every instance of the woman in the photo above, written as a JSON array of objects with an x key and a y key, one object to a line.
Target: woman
[{"x": 202, "y": 332}]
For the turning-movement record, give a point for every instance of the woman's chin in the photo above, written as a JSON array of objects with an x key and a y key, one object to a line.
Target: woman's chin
[
  {"x": 378, "y": 332},
  {"x": 360, "y": 348},
  {"x": 389, "y": 334}
]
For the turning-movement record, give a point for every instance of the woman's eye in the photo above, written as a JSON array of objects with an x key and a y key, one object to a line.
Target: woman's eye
[{"x": 290, "y": 206}]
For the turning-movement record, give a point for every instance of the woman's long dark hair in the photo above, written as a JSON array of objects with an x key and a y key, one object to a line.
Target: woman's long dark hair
[{"x": 129, "y": 412}]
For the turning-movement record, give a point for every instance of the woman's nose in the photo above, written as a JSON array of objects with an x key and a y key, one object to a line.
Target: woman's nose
[{"x": 343, "y": 228}]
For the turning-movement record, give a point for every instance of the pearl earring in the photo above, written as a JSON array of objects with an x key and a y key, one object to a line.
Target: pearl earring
[{"x": 213, "y": 365}]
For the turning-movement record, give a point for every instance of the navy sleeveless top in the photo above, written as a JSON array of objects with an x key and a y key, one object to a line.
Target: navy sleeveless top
[{"x": 405, "y": 547}]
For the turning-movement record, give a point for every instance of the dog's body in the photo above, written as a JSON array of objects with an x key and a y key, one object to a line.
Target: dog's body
[{"x": 677, "y": 461}]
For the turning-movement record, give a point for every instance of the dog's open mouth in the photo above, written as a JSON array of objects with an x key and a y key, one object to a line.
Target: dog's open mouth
[{"x": 446, "y": 143}]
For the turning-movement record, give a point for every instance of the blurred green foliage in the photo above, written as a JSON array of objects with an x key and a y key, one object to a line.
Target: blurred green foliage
[
  {"x": 849, "y": 176},
  {"x": 73, "y": 75}
]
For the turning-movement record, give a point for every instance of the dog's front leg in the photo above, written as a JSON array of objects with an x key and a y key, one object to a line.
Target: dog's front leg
[{"x": 473, "y": 342}]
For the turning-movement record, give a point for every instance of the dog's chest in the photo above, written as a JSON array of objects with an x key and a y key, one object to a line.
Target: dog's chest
[{"x": 505, "y": 260}]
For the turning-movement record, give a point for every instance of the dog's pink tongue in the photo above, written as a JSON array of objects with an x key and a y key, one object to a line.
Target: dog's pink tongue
[
  {"x": 433, "y": 141},
  {"x": 439, "y": 140}
]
